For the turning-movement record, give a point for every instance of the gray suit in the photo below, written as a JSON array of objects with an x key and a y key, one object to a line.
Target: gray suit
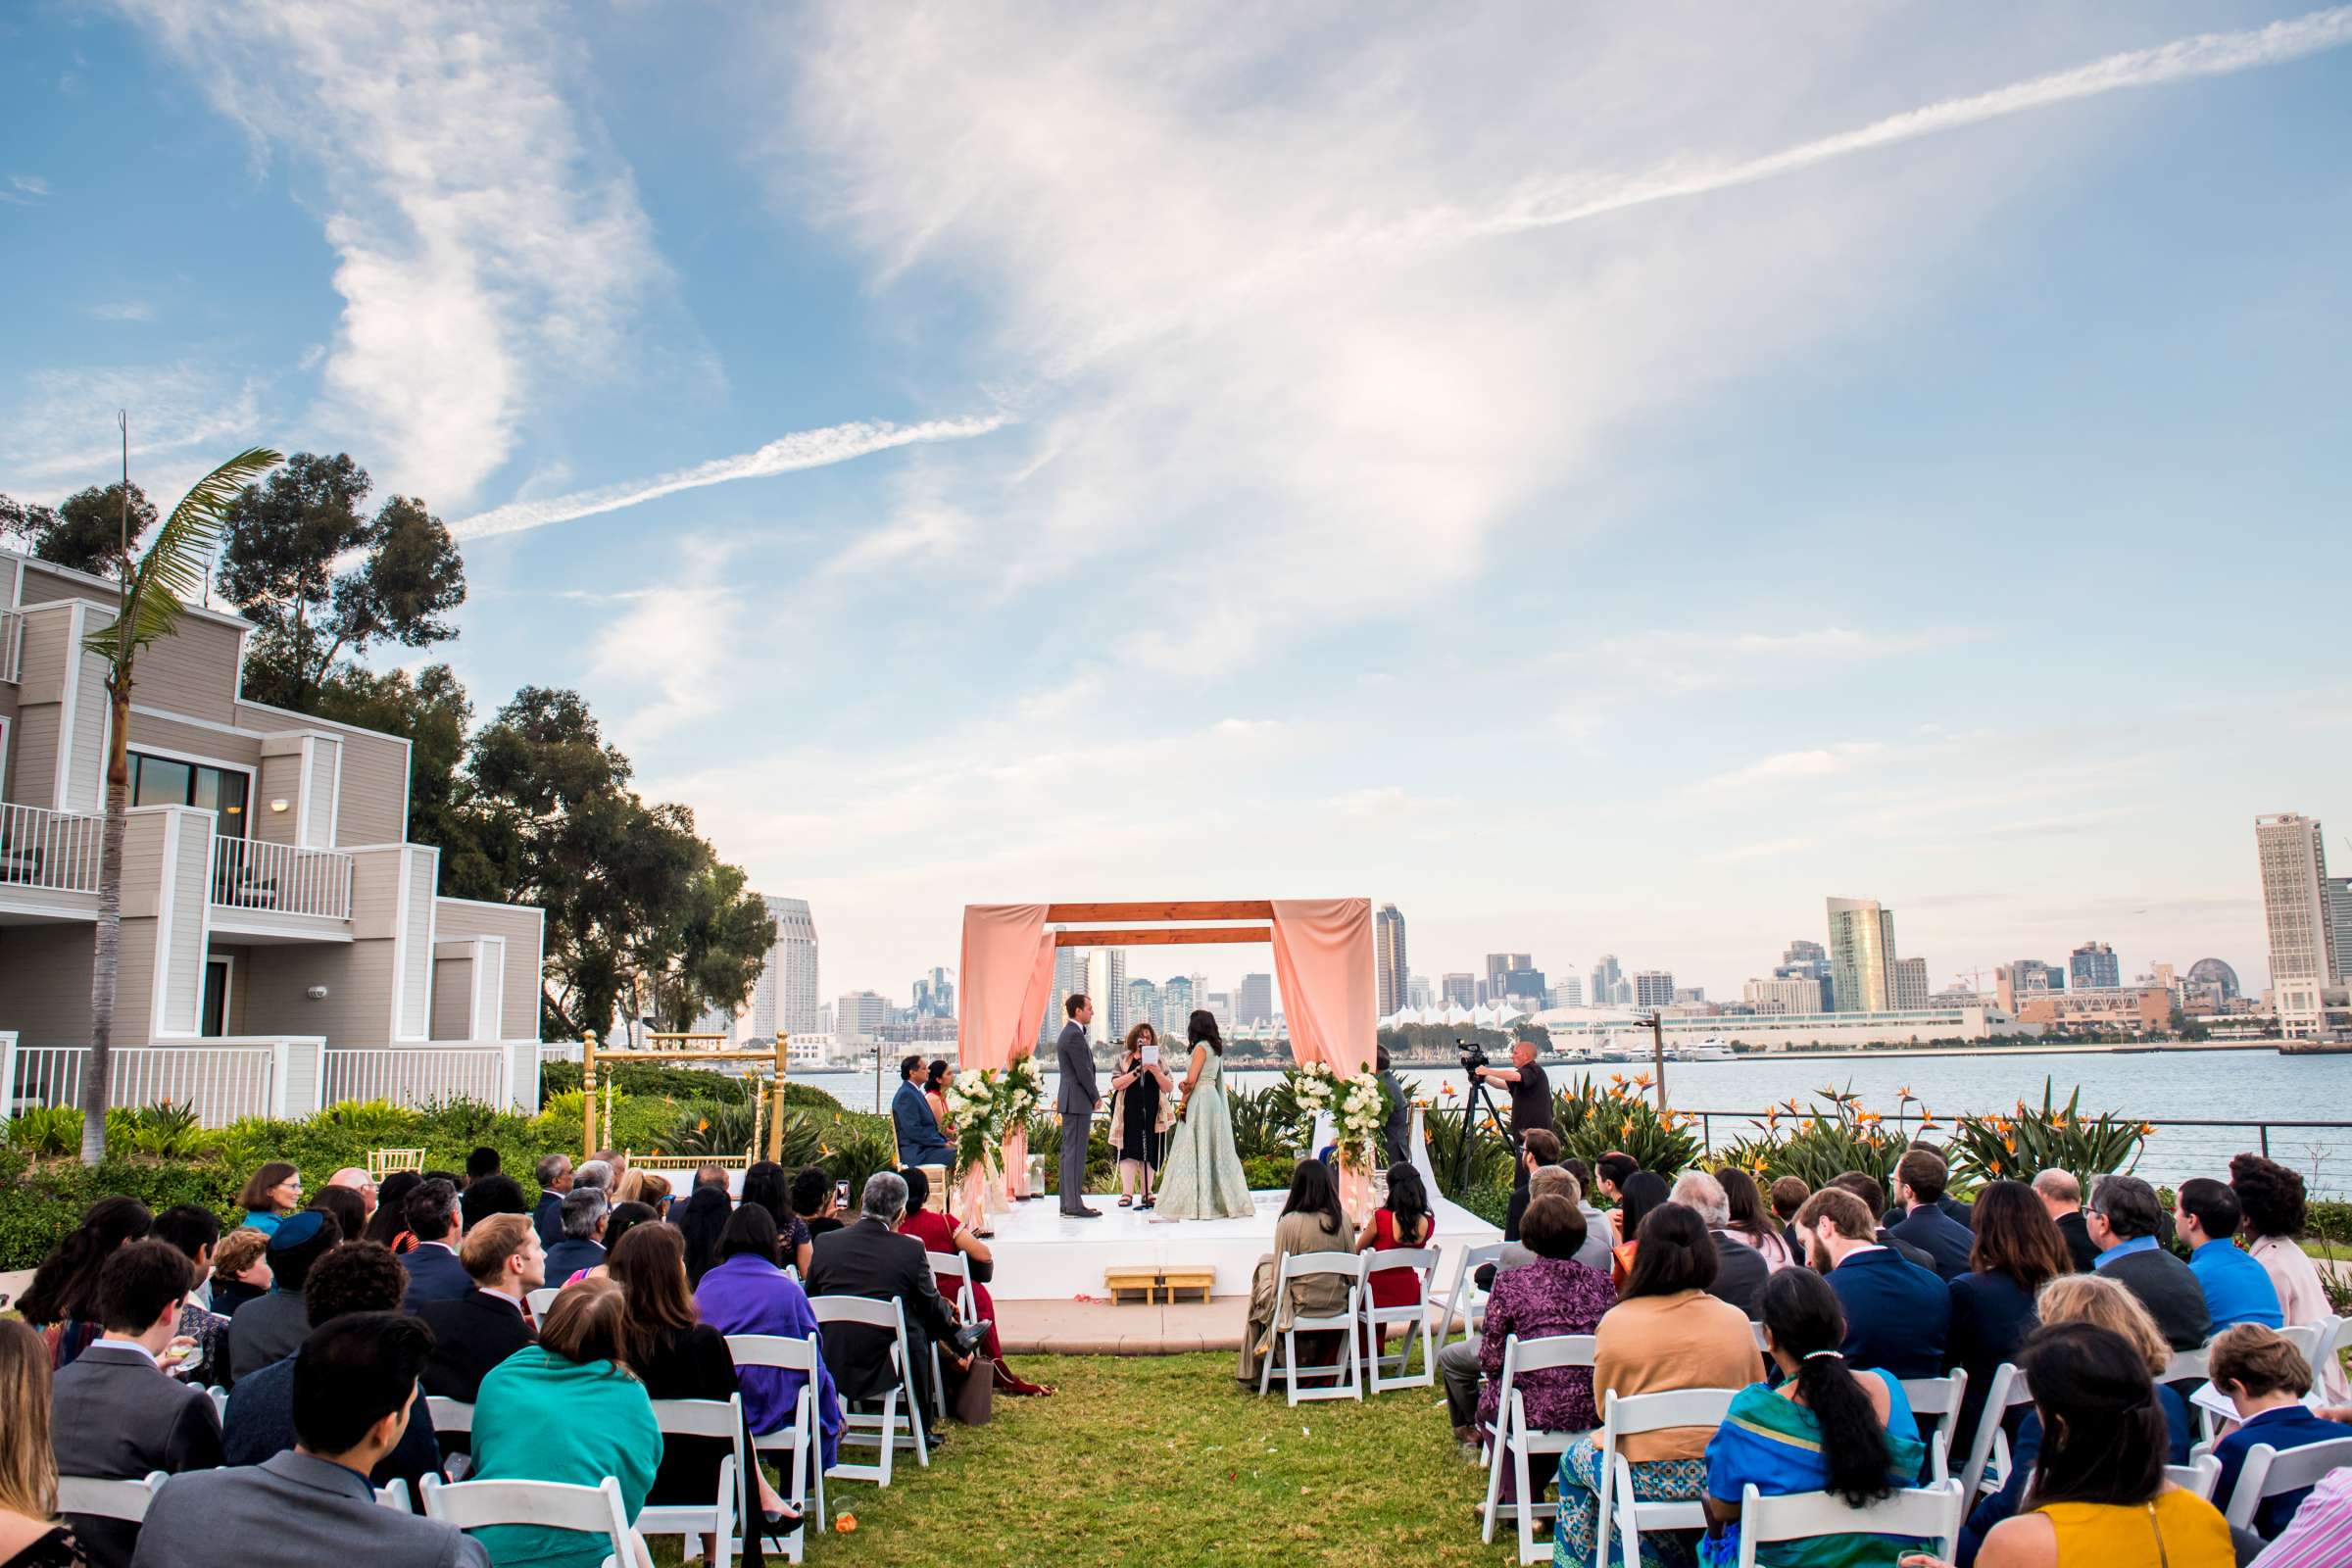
[
  {"x": 1076, "y": 1103},
  {"x": 295, "y": 1511},
  {"x": 115, "y": 1415}
]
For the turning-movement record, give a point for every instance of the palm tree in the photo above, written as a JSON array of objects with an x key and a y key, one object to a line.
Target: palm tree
[{"x": 153, "y": 590}]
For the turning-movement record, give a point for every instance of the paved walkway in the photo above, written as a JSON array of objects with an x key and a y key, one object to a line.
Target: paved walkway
[{"x": 1127, "y": 1328}]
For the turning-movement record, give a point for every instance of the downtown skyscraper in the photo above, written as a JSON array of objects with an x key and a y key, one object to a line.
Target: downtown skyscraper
[
  {"x": 2305, "y": 963},
  {"x": 1862, "y": 956},
  {"x": 1389, "y": 966}
]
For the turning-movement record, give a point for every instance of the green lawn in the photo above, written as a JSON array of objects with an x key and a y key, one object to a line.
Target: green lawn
[{"x": 1152, "y": 1460}]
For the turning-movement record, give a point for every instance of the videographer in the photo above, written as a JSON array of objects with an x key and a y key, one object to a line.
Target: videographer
[{"x": 1529, "y": 1089}]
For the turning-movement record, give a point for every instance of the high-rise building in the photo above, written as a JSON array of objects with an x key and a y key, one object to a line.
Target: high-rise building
[
  {"x": 1653, "y": 987},
  {"x": 2339, "y": 920},
  {"x": 1457, "y": 990},
  {"x": 1143, "y": 1005},
  {"x": 1069, "y": 977},
  {"x": 1910, "y": 984},
  {"x": 2014, "y": 982},
  {"x": 1689, "y": 996},
  {"x": 858, "y": 1017},
  {"x": 1523, "y": 985},
  {"x": 1106, "y": 984},
  {"x": 1389, "y": 966},
  {"x": 1809, "y": 961},
  {"x": 1500, "y": 966},
  {"x": 1220, "y": 1008},
  {"x": 1861, "y": 950},
  {"x": 1253, "y": 1002},
  {"x": 2304, "y": 961},
  {"x": 785, "y": 995},
  {"x": 1567, "y": 992},
  {"x": 2093, "y": 963},
  {"x": 1177, "y": 999},
  {"x": 934, "y": 994},
  {"x": 1417, "y": 992},
  {"x": 1608, "y": 982},
  {"x": 1794, "y": 993}
]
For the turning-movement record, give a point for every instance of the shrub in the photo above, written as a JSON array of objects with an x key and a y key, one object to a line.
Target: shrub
[
  {"x": 46, "y": 1130},
  {"x": 1490, "y": 1157},
  {"x": 1269, "y": 1172},
  {"x": 652, "y": 1078},
  {"x": 1592, "y": 1121},
  {"x": 1265, "y": 1124},
  {"x": 1817, "y": 1144},
  {"x": 2020, "y": 1147}
]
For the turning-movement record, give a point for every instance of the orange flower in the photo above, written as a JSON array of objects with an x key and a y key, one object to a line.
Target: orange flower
[{"x": 1902, "y": 1094}]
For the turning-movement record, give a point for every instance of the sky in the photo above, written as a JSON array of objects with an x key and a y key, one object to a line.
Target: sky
[{"x": 1601, "y": 478}]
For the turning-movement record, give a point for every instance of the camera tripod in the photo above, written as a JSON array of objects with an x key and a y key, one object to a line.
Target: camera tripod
[{"x": 1478, "y": 1099}]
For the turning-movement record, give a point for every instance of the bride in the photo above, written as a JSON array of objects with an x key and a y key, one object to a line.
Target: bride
[{"x": 1203, "y": 1178}]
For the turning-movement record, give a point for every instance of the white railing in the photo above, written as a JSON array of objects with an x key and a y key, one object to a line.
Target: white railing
[
  {"x": 560, "y": 1050},
  {"x": 416, "y": 1075},
  {"x": 249, "y": 874},
  {"x": 45, "y": 849},
  {"x": 12, "y": 645},
  {"x": 220, "y": 1082}
]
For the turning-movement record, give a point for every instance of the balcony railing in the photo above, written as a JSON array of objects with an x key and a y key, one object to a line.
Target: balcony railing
[
  {"x": 416, "y": 1075},
  {"x": 12, "y": 645},
  {"x": 44, "y": 849},
  {"x": 248, "y": 874}
]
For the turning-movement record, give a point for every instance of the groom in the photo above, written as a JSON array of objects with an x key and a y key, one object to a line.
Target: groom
[{"x": 1078, "y": 1102}]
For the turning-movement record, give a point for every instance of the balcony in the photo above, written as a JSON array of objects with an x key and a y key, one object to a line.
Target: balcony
[
  {"x": 249, "y": 876},
  {"x": 56, "y": 851}
]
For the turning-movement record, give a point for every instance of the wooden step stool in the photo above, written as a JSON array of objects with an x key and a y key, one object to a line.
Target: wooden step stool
[{"x": 1150, "y": 1279}]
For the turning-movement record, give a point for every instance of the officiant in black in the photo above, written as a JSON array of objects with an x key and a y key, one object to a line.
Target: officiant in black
[{"x": 1143, "y": 1108}]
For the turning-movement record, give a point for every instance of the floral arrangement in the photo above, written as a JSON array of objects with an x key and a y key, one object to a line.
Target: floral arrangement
[
  {"x": 975, "y": 1102},
  {"x": 1357, "y": 1104},
  {"x": 1019, "y": 1091}
]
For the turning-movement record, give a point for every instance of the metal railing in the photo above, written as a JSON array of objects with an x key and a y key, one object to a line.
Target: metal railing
[
  {"x": 12, "y": 645},
  {"x": 220, "y": 1082},
  {"x": 249, "y": 874},
  {"x": 44, "y": 849},
  {"x": 416, "y": 1075}
]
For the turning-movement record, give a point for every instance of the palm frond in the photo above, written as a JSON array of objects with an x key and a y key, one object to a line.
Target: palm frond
[{"x": 172, "y": 568}]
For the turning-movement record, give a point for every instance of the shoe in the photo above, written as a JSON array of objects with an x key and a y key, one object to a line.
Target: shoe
[
  {"x": 1149, "y": 1202},
  {"x": 968, "y": 1338},
  {"x": 782, "y": 1522},
  {"x": 1129, "y": 1203},
  {"x": 1081, "y": 1213}
]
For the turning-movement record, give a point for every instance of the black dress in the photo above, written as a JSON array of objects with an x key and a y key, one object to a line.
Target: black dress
[
  {"x": 695, "y": 1364},
  {"x": 1139, "y": 1133},
  {"x": 56, "y": 1550}
]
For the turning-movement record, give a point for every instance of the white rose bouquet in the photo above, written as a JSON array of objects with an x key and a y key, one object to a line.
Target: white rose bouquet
[
  {"x": 1359, "y": 1110},
  {"x": 974, "y": 1101},
  {"x": 1019, "y": 1090}
]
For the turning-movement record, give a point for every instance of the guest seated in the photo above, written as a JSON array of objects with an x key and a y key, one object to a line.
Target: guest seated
[
  {"x": 2099, "y": 1496},
  {"x": 117, "y": 1413},
  {"x": 2017, "y": 1251},
  {"x": 2270, "y": 1196},
  {"x": 196, "y": 1231},
  {"x": 573, "y": 1384},
  {"x": 653, "y": 1194},
  {"x": 945, "y": 1234},
  {"x": 355, "y": 1278},
  {"x": 1312, "y": 1220},
  {"x": 872, "y": 1259},
  {"x": 920, "y": 1141},
  {"x": 624, "y": 1218},
  {"x": 1874, "y": 1198},
  {"x": 490, "y": 1322},
  {"x": 1788, "y": 1195},
  {"x": 1920, "y": 1177},
  {"x": 1539, "y": 1150},
  {"x": 554, "y": 1180},
  {"x": 586, "y": 1210},
  {"x": 592, "y": 1172},
  {"x": 1403, "y": 1221},
  {"x": 2123, "y": 1221},
  {"x": 2062, "y": 1195},
  {"x": 702, "y": 1221},
  {"x": 389, "y": 1228},
  {"x": 349, "y": 1210},
  {"x": 746, "y": 1292},
  {"x": 1551, "y": 1181},
  {"x": 30, "y": 1534},
  {"x": 1753, "y": 1221},
  {"x": 2238, "y": 1288},
  {"x": 1639, "y": 1195},
  {"x": 1667, "y": 1332},
  {"x": 812, "y": 1199},
  {"x": 1460, "y": 1364},
  {"x": 275, "y": 1327},
  {"x": 767, "y": 1185},
  {"x": 1823, "y": 1428},
  {"x": 483, "y": 1162},
  {"x": 485, "y": 1196},
  {"x": 353, "y": 1392},
  {"x": 1739, "y": 1271},
  {"x": 1552, "y": 1294},
  {"x": 676, "y": 1355},
  {"x": 240, "y": 1274},
  {"x": 2101, "y": 1303},
  {"x": 2319, "y": 1536},
  {"x": 61, "y": 1302},
  {"x": 1897, "y": 1315},
  {"x": 270, "y": 1194},
  {"x": 2265, "y": 1378},
  {"x": 434, "y": 1272}
]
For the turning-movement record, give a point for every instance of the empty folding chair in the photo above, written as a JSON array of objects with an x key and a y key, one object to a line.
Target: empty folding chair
[
  {"x": 884, "y": 1428},
  {"x": 1516, "y": 1442},
  {"x": 1635, "y": 1414},
  {"x": 2275, "y": 1472},
  {"x": 1938, "y": 1397},
  {"x": 1346, "y": 1383},
  {"x": 951, "y": 1274},
  {"x": 1932, "y": 1514},
  {"x": 2200, "y": 1475},
  {"x": 798, "y": 1442},
  {"x": 109, "y": 1500},
  {"x": 732, "y": 1503},
  {"x": 548, "y": 1504},
  {"x": 1422, "y": 1263},
  {"x": 1465, "y": 1301},
  {"x": 2005, "y": 1393}
]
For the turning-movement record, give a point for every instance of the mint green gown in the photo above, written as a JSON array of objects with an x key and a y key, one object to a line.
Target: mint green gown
[{"x": 1203, "y": 1178}]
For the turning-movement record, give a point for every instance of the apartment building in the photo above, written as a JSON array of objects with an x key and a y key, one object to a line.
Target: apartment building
[{"x": 270, "y": 892}]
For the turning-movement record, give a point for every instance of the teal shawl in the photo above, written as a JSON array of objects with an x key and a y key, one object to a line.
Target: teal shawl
[
  {"x": 542, "y": 1418},
  {"x": 1775, "y": 1445}
]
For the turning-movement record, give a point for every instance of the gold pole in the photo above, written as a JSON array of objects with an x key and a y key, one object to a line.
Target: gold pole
[
  {"x": 775, "y": 1114},
  {"x": 587, "y": 1092},
  {"x": 609, "y": 1089}
]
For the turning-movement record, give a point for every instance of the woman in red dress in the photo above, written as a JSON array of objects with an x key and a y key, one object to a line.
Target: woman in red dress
[
  {"x": 944, "y": 1233},
  {"x": 1404, "y": 1223}
]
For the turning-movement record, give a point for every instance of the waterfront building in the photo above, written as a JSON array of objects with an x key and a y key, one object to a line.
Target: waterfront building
[
  {"x": 1653, "y": 987},
  {"x": 1178, "y": 996},
  {"x": 1522, "y": 985},
  {"x": 1567, "y": 993},
  {"x": 2214, "y": 972},
  {"x": 1457, "y": 990},
  {"x": 1910, "y": 984},
  {"x": 934, "y": 994},
  {"x": 1069, "y": 976},
  {"x": 2304, "y": 961},
  {"x": 1106, "y": 983},
  {"x": 1417, "y": 993},
  {"x": 2014, "y": 982},
  {"x": 1220, "y": 1008},
  {"x": 2340, "y": 922},
  {"x": 1143, "y": 1005},
  {"x": 1576, "y": 1035},
  {"x": 1608, "y": 983},
  {"x": 2093, "y": 963},
  {"x": 1861, "y": 948},
  {"x": 1797, "y": 994},
  {"x": 1689, "y": 996},
  {"x": 1391, "y": 973},
  {"x": 1500, "y": 965},
  {"x": 2138, "y": 1010},
  {"x": 1253, "y": 1002},
  {"x": 859, "y": 1018},
  {"x": 1809, "y": 961}
]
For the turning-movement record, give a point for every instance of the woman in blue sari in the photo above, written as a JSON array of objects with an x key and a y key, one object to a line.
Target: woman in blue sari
[{"x": 1823, "y": 1428}]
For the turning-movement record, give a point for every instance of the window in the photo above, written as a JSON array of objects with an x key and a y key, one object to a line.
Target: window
[{"x": 167, "y": 781}]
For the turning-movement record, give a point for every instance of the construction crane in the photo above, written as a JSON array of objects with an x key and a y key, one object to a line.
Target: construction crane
[{"x": 1973, "y": 979}]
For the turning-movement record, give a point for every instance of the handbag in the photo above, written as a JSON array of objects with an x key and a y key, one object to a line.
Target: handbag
[{"x": 971, "y": 1398}]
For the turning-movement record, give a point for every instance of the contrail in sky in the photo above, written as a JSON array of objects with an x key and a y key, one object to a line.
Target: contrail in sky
[{"x": 803, "y": 448}]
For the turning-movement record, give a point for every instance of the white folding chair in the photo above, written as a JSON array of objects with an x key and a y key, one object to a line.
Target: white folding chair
[
  {"x": 1283, "y": 1347},
  {"x": 2273, "y": 1472},
  {"x": 1757, "y": 1331},
  {"x": 1465, "y": 1301},
  {"x": 1929, "y": 1513},
  {"x": 950, "y": 1268},
  {"x": 863, "y": 1427},
  {"x": 2188, "y": 1366},
  {"x": 548, "y": 1504},
  {"x": 2005, "y": 1393},
  {"x": 1650, "y": 1412},
  {"x": 1516, "y": 1441},
  {"x": 802, "y": 1440},
  {"x": 2200, "y": 1475},
  {"x": 2309, "y": 1339},
  {"x": 1422, "y": 1262},
  {"x": 705, "y": 1418},
  {"x": 220, "y": 1402},
  {"x": 394, "y": 1494},
  {"x": 109, "y": 1500},
  {"x": 1939, "y": 1397},
  {"x": 542, "y": 1298}
]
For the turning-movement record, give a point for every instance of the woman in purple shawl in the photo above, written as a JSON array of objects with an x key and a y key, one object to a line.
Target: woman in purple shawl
[{"x": 744, "y": 1293}]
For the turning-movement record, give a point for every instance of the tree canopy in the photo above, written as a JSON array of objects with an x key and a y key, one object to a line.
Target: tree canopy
[{"x": 84, "y": 531}]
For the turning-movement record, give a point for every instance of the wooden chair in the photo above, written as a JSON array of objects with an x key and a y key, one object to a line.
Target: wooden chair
[
  {"x": 800, "y": 1441},
  {"x": 885, "y": 1429},
  {"x": 1285, "y": 1347},
  {"x": 1422, "y": 1262},
  {"x": 548, "y": 1504},
  {"x": 1931, "y": 1513},
  {"x": 1517, "y": 1442}
]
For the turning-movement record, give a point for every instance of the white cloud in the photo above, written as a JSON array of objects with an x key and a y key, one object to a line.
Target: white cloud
[
  {"x": 487, "y": 244},
  {"x": 1684, "y": 661},
  {"x": 120, "y": 310},
  {"x": 184, "y": 417},
  {"x": 1773, "y": 775},
  {"x": 24, "y": 189},
  {"x": 665, "y": 652}
]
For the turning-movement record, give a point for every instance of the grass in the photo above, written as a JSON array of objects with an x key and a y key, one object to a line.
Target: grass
[{"x": 1141, "y": 1461}]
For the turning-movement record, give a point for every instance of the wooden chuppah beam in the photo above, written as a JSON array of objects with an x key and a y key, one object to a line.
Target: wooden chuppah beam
[
  {"x": 1214, "y": 909},
  {"x": 1164, "y": 936}
]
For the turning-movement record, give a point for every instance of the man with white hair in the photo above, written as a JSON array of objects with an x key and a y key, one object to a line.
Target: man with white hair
[
  {"x": 1740, "y": 1269},
  {"x": 2062, "y": 1195},
  {"x": 872, "y": 1259},
  {"x": 359, "y": 1182}
]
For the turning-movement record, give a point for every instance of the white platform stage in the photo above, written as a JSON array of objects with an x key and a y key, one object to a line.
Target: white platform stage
[{"x": 1042, "y": 1255}]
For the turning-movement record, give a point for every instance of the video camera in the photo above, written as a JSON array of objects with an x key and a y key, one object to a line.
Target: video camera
[{"x": 1474, "y": 1055}]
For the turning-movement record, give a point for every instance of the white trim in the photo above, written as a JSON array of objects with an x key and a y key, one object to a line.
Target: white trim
[
  {"x": 53, "y": 911},
  {"x": 228, "y": 992},
  {"x": 302, "y": 792},
  {"x": 539, "y": 910},
  {"x": 71, "y": 574},
  {"x": 334, "y": 802},
  {"x": 16, "y": 598},
  {"x": 7, "y": 725},
  {"x": 167, "y": 895},
  {"x": 68, "y": 694},
  {"x": 141, "y": 710},
  {"x": 252, "y": 781}
]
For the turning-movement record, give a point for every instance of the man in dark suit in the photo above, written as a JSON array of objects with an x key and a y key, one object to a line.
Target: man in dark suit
[
  {"x": 1078, "y": 1101},
  {"x": 1740, "y": 1269},
  {"x": 2062, "y": 1195},
  {"x": 114, "y": 1412},
  {"x": 2122, "y": 1223},
  {"x": 434, "y": 1272},
  {"x": 489, "y": 1323},
  {"x": 920, "y": 1141},
  {"x": 354, "y": 1385},
  {"x": 1874, "y": 1199},
  {"x": 554, "y": 1180},
  {"x": 1396, "y": 1131},
  {"x": 1918, "y": 1181},
  {"x": 870, "y": 1258},
  {"x": 587, "y": 1211},
  {"x": 272, "y": 1326},
  {"x": 1896, "y": 1314}
]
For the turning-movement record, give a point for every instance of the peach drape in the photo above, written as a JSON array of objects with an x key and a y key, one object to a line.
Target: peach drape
[
  {"x": 1323, "y": 964},
  {"x": 1002, "y": 993}
]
